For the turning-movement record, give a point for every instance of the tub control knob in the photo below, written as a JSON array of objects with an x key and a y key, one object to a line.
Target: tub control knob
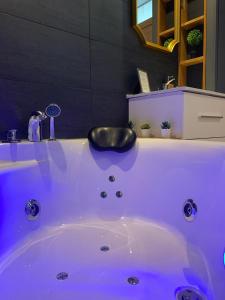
[
  {"x": 190, "y": 210},
  {"x": 32, "y": 209},
  {"x": 119, "y": 194},
  {"x": 103, "y": 194}
]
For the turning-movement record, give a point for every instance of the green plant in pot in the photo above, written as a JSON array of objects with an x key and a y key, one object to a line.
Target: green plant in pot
[
  {"x": 166, "y": 129},
  {"x": 167, "y": 42},
  {"x": 194, "y": 40},
  {"x": 145, "y": 130}
]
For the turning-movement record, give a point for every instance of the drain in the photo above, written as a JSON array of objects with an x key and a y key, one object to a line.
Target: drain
[
  {"x": 105, "y": 248},
  {"x": 62, "y": 276},
  {"x": 133, "y": 280},
  {"x": 190, "y": 210},
  {"x": 188, "y": 293},
  {"x": 32, "y": 209}
]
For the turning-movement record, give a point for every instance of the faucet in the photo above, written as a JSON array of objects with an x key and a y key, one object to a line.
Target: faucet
[
  {"x": 170, "y": 79},
  {"x": 34, "y": 126}
]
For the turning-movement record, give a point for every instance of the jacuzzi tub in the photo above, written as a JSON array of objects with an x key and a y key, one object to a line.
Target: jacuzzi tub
[{"x": 112, "y": 225}]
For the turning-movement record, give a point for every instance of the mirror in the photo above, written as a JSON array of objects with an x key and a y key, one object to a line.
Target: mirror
[{"x": 157, "y": 22}]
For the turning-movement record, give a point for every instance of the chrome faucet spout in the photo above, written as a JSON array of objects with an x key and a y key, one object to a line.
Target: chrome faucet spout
[
  {"x": 34, "y": 126},
  {"x": 170, "y": 79},
  {"x": 169, "y": 82}
]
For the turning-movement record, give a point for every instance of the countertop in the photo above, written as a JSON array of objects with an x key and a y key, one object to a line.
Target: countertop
[{"x": 177, "y": 90}]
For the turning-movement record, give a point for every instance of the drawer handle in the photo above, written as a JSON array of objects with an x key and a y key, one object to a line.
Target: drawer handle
[{"x": 211, "y": 116}]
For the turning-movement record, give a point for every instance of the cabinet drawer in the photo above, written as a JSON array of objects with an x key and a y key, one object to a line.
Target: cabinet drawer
[{"x": 204, "y": 117}]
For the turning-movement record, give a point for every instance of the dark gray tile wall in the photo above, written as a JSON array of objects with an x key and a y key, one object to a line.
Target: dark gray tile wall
[{"x": 81, "y": 54}]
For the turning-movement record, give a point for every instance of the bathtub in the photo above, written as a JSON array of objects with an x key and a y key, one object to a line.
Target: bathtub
[{"x": 110, "y": 225}]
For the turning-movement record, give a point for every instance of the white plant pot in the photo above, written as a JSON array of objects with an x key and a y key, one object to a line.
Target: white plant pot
[
  {"x": 166, "y": 133},
  {"x": 145, "y": 133}
]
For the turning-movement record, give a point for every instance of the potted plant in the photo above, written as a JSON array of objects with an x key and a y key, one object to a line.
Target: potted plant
[
  {"x": 165, "y": 129},
  {"x": 145, "y": 130},
  {"x": 194, "y": 40},
  {"x": 167, "y": 42}
]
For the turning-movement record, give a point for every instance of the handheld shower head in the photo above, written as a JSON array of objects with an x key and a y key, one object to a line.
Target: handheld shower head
[{"x": 52, "y": 111}]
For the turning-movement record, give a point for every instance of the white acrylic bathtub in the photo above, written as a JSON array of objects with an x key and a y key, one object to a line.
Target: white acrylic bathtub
[{"x": 138, "y": 246}]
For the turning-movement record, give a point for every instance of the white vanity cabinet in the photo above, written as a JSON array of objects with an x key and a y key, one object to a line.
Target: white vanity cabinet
[{"x": 193, "y": 113}]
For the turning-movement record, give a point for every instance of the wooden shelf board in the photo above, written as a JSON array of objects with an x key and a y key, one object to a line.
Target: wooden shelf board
[
  {"x": 192, "y": 23},
  {"x": 186, "y": 25},
  {"x": 192, "y": 61},
  {"x": 167, "y": 32}
]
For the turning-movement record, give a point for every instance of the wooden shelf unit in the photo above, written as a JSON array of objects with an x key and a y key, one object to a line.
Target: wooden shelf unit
[
  {"x": 193, "y": 23},
  {"x": 192, "y": 61},
  {"x": 164, "y": 30},
  {"x": 184, "y": 61},
  {"x": 167, "y": 33}
]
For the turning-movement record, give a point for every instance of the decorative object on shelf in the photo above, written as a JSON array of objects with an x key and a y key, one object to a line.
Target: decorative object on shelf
[
  {"x": 165, "y": 129},
  {"x": 145, "y": 130},
  {"x": 167, "y": 42},
  {"x": 194, "y": 37},
  {"x": 194, "y": 40},
  {"x": 143, "y": 81}
]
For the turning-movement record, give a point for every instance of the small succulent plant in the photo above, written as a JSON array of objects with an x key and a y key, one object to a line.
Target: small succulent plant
[
  {"x": 165, "y": 125},
  {"x": 167, "y": 42},
  {"x": 145, "y": 126},
  {"x": 194, "y": 37}
]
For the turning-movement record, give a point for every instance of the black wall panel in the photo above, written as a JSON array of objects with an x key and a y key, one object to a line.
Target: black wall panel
[{"x": 81, "y": 54}]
